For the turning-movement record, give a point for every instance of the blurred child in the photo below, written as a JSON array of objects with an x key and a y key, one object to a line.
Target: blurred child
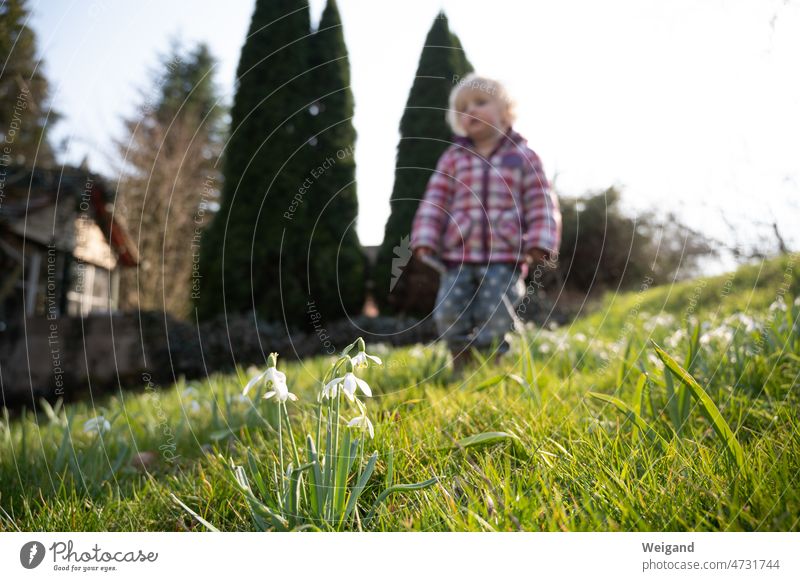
[{"x": 488, "y": 213}]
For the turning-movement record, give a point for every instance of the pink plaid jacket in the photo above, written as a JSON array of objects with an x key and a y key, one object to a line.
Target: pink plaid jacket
[{"x": 488, "y": 210}]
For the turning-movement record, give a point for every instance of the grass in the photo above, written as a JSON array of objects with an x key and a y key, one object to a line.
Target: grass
[{"x": 579, "y": 429}]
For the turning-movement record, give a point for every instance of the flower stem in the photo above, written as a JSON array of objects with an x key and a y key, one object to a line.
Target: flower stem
[
  {"x": 280, "y": 450},
  {"x": 291, "y": 435}
]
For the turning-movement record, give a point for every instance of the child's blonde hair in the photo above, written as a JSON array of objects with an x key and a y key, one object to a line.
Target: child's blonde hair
[{"x": 492, "y": 87}]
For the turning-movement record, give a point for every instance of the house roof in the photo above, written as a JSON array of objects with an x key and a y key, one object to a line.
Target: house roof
[{"x": 68, "y": 207}]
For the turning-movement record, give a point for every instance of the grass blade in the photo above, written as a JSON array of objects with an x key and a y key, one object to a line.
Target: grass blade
[
  {"x": 638, "y": 394},
  {"x": 397, "y": 488},
  {"x": 483, "y": 439},
  {"x": 199, "y": 518},
  {"x": 707, "y": 407},
  {"x": 638, "y": 421},
  {"x": 359, "y": 487}
]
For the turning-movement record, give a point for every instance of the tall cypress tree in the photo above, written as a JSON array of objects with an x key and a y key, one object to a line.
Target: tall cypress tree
[
  {"x": 252, "y": 255},
  {"x": 336, "y": 259},
  {"x": 424, "y": 135}
]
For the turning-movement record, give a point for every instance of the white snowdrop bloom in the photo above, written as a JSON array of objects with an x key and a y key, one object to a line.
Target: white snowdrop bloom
[
  {"x": 747, "y": 322},
  {"x": 417, "y": 352},
  {"x": 190, "y": 392},
  {"x": 348, "y": 384},
  {"x": 271, "y": 375},
  {"x": 579, "y": 337},
  {"x": 778, "y": 305},
  {"x": 665, "y": 319},
  {"x": 674, "y": 339},
  {"x": 194, "y": 407},
  {"x": 280, "y": 392},
  {"x": 362, "y": 359},
  {"x": 97, "y": 424},
  {"x": 362, "y": 422},
  {"x": 544, "y": 348}
]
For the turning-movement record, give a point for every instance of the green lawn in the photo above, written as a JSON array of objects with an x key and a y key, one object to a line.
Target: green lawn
[{"x": 719, "y": 450}]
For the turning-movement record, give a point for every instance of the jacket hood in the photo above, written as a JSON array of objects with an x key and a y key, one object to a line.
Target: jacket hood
[{"x": 511, "y": 135}]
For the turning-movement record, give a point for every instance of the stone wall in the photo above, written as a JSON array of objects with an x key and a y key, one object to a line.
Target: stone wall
[{"x": 72, "y": 357}]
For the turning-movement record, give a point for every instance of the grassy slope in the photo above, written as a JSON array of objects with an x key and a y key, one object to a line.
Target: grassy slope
[{"x": 577, "y": 463}]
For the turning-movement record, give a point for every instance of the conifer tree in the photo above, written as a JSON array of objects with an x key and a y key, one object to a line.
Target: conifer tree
[
  {"x": 253, "y": 257},
  {"x": 424, "y": 135},
  {"x": 337, "y": 264},
  {"x": 25, "y": 113}
]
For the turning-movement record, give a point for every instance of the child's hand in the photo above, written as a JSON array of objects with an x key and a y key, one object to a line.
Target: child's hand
[
  {"x": 535, "y": 256},
  {"x": 422, "y": 251}
]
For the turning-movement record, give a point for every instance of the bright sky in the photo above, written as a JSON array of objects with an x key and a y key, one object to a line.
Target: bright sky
[{"x": 689, "y": 105}]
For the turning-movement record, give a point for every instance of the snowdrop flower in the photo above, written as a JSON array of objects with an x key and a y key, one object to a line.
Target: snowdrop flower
[
  {"x": 778, "y": 305},
  {"x": 417, "y": 352},
  {"x": 274, "y": 378},
  {"x": 190, "y": 392},
  {"x": 743, "y": 320},
  {"x": 348, "y": 384},
  {"x": 362, "y": 358},
  {"x": 674, "y": 339},
  {"x": 281, "y": 392},
  {"x": 362, "y": 422},
  {"x": 194, "y": 407},
  {"x": 96, "y": 424}
]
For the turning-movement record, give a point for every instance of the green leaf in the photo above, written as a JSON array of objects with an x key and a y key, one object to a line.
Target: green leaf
[
  {"x": 638, "y": 395},
  {"x": 317, "y": 490},
  {"x": 672, "y": 403},
  {"x": 638, "y": 421},
  {"x": 531, "y": 388},
  {"x": 491, "y": 382},
  {"x": 390, "y": 467},
  {"x": 359, "y": 487},
  {"x": 483, "y": 439},
  {"x": 257, "y": 508},
  {"x": 342, "y": 472},
  {"x": 707, "y": 407},
  {"x": 622, "y": 372},
  {"x": 397, "y": 488}
]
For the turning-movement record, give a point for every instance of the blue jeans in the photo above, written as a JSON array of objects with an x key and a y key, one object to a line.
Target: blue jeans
[{"x": 476, "y": 305}]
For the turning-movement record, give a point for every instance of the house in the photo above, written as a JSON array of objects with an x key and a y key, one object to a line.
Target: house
[{"x": 61, "y": 248}]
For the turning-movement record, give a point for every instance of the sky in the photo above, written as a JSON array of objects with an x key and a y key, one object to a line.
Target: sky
[{"x": 690, "y": 106}]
